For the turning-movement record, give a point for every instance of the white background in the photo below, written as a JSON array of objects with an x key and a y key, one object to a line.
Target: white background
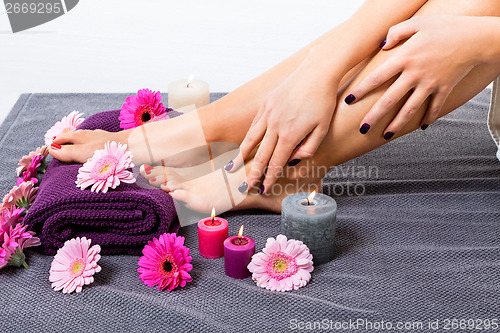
[{"x": 125, "y": 45}]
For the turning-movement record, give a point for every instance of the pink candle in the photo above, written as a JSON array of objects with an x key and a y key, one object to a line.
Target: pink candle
[
  {"x": 238, "y": 251},
  {"x": 211, "y": 234}
]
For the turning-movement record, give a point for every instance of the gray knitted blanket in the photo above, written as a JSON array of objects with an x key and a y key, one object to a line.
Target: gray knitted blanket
[{"x": 418, "y": 245}]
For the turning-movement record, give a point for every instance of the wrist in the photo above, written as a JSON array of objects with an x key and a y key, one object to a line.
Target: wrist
[{"x": 488, "y": 46}]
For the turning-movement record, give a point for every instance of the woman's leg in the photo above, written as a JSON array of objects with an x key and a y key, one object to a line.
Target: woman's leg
[
  {"x": 344, "y": 140},
  {"x": 237, "y": 108}
]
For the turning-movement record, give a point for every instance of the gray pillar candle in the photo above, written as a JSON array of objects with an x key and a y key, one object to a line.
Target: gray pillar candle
[{"x": 313, "y": 224}]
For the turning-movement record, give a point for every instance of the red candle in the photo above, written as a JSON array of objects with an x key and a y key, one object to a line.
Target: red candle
[
  {"x": 238, "y": 251},
  {"x": 211, "y": 234}
]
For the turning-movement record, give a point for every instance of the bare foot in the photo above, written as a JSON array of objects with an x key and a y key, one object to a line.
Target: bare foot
[{"x": 80, "y": 145}]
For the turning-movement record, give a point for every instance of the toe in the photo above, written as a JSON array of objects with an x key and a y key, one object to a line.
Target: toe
[{"x": 70, "y": 153}]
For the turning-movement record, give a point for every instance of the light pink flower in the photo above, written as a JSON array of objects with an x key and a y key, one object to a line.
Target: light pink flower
[
  {"x": 106, "y": 168},
  {"x": 282, "y": 265},
  {"x": 20, "y": 196},
  {"x": 141, "y": 108},
  {"x": 26, "y": 159},
  {"x": 68, "y": 123},
  {"x": 74, "y": 265},
  {"x": 166, "y": 263}
]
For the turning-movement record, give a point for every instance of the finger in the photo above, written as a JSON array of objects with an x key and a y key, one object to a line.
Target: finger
[
  {"x": 309, "y": 146},
  {"x": 435, "y": 107},
  {"x": 252, "y": 139},
  {"x": 385, "y": 103},
  {"x": 407, "y": 112},
  {"x": 376, "y": 78},
  {"x": 280, "y": 156},
  {"x": 262, "y": 158},
  {"x": 401, "y": 31}
]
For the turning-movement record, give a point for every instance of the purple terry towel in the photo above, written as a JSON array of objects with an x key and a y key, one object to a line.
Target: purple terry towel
[{"x": 121, "y": 221}]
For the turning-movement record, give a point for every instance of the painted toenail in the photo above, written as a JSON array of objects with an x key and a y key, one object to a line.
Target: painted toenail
[
  {"x": 153, "y": 179},
  {"x": 229, "y": 166},
  {"x": 54, "y": 138},
  {"x": 243, "y": 187},
  {"x": 147, "y": 169},
  {"x": 55, "y": 146}
]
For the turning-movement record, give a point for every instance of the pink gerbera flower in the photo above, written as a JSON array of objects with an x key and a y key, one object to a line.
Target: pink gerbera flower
[
  {"x": 166, "y": 263},
  {"x": 106, "y": 168},
  {"x": 14, "y": 242},
  {"x": 31, "y": 172},
  {"x": 68, "y": 123},
  {"x": 74, "y": 265},
  {"x": 141, "y": 108},
  {"x": 22, "y": 195},
  {"x": 282, "y": 265},
  {"x": 14, "y": 238},
  {"x": 26, "y": 159}
]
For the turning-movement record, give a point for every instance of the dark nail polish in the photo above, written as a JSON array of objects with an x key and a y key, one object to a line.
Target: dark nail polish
[
  {"x": 243, "y": 187},
  {"x": 349, "y": 99},
  {"x": 383, "y": 43},
  {"x": 294, "y": 162},
  {"x": 424, "y": 127},
  {"x": 388, "y": 135},
  {"x": 229, "y": 166},
  {"x": 55, "y": 146},
  {"x": 261, "y": 189},
  {"x": 364, "y": 128}
]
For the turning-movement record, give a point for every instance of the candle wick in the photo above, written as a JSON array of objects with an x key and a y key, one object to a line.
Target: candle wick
[
  {"x": 213, "y": 220},
  {"x": 239, "y": 240},
  {"x": 308, "y": 203},
  {"x": 187, "y": 85}
]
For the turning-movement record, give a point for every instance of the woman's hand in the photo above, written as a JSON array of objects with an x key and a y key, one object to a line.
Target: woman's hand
[
  {"x": 440, "y": 51},
  {"x": 289, "y": 126}
]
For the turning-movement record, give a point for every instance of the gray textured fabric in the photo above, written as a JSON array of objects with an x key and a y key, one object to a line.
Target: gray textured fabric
[{"x": 421, "y": 243}]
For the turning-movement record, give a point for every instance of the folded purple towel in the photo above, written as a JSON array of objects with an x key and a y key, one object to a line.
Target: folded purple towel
[{"x": 121, "y": 221}]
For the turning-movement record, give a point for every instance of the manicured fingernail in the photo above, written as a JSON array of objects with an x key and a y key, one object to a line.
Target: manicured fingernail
[
  {"x": 153, "y": 179},
  {"x": 261, "y": 189},
  {"x": 349, "y": 99},
  {"x": 55, "y": 146},
  {"x": 383, "y": 43},
  {"x": 388, "y": 135},
  {"x": 147, "y": 169},
  {"x": 294, "y": 162},
  {"x": 229, "y": 166},
  {"x": 424, "y": 127},
  {"x": 364, "y": 128},
  {"x": 243, "y": 187}
]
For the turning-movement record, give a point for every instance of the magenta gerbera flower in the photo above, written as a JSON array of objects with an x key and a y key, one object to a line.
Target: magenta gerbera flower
[
  {"x": 22, "y": 195},
  {"x": 26, "y": 159},
  {"x": 107, "y": 168},
  {"x": 166, "y": 263},
  {"x": 31, "y": 172},
  {"x": 68, "y": 123},
  {"x": 74, "y": 265},
  {"x": 14, "y": 238},
  {"x": 141, "y": 108},
  {"x": 282, "y": 265}
]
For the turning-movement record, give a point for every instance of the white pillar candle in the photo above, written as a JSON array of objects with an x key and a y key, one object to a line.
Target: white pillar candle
[{"x": 188, "y": 93}]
